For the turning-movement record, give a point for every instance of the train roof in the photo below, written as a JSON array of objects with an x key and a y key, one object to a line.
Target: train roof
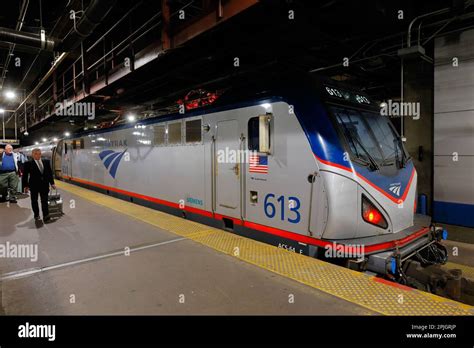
[
  {"x": 282, "y": 85},
  {"x": 251, "y": 92}
]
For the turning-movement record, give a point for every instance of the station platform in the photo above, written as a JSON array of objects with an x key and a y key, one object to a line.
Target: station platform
[{"x": 109, "y": 256}]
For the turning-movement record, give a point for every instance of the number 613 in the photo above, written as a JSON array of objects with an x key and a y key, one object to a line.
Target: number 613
[{"x": 294, "y": 205}]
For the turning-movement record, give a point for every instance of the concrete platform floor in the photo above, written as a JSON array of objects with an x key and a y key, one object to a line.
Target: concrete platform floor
[{"x": 173, "y": 276}]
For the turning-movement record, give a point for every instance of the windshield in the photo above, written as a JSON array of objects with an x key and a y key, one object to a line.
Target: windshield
[{"x": 369, "y": 135}]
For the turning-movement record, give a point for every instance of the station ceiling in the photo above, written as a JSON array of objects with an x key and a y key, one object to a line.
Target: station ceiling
[{"x": 199, "y": 51}]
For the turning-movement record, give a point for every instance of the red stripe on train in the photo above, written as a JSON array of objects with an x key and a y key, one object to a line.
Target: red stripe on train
[
  {"x": 263, "y": 228},
  {"x": 393, "y": 199}
]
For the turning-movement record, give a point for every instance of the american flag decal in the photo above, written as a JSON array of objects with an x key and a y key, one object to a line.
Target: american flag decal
[{"x": 258, "y": 164}]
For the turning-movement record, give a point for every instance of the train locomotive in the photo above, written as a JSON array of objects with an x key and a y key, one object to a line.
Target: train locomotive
[{"x": 312, "y": 168}]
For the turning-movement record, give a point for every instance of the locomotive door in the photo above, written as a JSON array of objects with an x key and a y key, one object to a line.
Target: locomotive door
[
  {"x": 67, "y": 160},
  {"x": 227, "y": 174},
  {"x": 318, "y": 205},
  {"x": 56, "y": 160}
]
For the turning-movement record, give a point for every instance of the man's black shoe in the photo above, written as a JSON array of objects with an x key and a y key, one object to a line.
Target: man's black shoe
[
  {"x": 47, "y": 219},
  {"x": 37, "y": 218}
]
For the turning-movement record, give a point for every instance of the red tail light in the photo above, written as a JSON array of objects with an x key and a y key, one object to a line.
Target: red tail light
[{"x": 371, "y": 214}]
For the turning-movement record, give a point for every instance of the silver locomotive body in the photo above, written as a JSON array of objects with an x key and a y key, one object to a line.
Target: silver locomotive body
[{"x": 280, "y": 169}]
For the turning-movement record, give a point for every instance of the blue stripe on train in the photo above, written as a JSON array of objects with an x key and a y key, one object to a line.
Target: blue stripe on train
[
  {"x": 109, "y": 159},
  {"x": 114, "y": 167},
  {"x": 105, "y": 153},
  {"x": 454, "y": 213}
]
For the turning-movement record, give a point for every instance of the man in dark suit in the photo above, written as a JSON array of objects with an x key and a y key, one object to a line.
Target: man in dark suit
[{"x": 37, "y": 177}]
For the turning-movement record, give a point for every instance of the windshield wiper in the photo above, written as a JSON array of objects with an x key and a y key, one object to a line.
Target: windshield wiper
[
  {"x": 353, "y": 137},
  {"x": 403, "y": 160},
  {"x": 372, "y": 161},
  {"x": 398, "y": 146}
]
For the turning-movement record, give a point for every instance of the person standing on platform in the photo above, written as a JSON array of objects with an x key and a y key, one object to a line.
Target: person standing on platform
[
  {"x": 8, "y": 174},
  {"x": 37, "y": 178}
]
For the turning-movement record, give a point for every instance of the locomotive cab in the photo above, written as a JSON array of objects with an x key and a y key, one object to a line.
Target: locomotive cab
[
  {"x": 386, "y": 193},
  {"x": 370, "y": 182}
]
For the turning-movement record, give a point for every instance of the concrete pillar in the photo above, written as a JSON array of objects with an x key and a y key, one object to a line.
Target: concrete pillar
[{"x": 418, "y": 87}]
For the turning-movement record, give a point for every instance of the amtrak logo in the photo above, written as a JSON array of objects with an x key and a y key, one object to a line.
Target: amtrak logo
[
  {"x": 395, "y": 188},
  {"x": 111, "y": 160}
]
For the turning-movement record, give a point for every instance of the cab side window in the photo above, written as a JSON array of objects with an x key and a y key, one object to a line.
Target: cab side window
[{"x": 259, "y": 133}]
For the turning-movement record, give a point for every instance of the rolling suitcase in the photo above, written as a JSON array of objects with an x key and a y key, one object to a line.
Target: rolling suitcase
[
  {"x": 19, "y": 189},
  {"x": 55, "y": 205}
]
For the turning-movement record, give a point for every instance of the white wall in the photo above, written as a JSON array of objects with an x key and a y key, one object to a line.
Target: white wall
[{"x": 454, "y": 129}]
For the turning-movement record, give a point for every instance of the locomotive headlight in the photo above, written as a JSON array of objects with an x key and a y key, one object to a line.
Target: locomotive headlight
[{"x": 371, "y": 214}]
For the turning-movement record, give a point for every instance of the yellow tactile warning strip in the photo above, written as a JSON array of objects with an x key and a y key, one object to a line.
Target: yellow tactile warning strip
[
  {"x": 355, "y": 287},
  {"x": 467, "y": 271}
]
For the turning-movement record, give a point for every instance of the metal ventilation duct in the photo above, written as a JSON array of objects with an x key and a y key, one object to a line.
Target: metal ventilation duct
[{"x": 27, "y": 39}]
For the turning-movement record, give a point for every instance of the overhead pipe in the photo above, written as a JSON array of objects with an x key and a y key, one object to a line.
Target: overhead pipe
[
  {"x": 27, "y": 39},
  {"x": 11, "y": 48},
  {"x": 408, "y": 43},
  {"x": 91, "y": 18},
  {"x": 87, "y": 23},
  {"x": 434, "y": 13}
]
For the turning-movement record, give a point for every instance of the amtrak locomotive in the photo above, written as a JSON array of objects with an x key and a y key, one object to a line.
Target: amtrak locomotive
[{"x": 314, "y": 169}]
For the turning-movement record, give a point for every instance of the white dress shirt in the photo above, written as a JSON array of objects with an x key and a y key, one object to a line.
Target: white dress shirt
[{"x": 39, "y": 163}]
